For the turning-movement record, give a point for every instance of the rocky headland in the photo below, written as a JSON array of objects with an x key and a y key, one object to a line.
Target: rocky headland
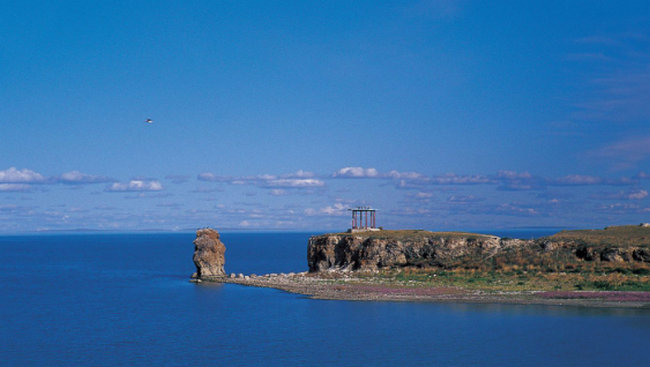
[
  {"x": 609, "y": 267},
  {"x": 390, "y": 250}
]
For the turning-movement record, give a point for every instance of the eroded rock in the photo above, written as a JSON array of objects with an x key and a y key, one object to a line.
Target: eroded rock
[
  {"x": 613, "y": 255},
  {"x": 454, "y": 250},
  {"x": 356, "y": 252},
  {"x": 209, "y": 254},
  {"x": 641, "y": 255}
]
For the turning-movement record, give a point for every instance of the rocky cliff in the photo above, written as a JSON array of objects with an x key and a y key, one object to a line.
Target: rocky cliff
[
  {"x": 371, "y": 251},
  {"x": 209, "y": 254}
]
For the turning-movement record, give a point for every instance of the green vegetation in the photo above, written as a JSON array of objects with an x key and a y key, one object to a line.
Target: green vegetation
[
  {"x": 619, "y": 236},
  {"x": 516, "y": 279},
  {"x": 612, "y": 259},
  {"x": 410, "y": 234}
]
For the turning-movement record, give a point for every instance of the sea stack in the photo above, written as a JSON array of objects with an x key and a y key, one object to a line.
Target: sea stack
[{"x": 209, "y": 254}]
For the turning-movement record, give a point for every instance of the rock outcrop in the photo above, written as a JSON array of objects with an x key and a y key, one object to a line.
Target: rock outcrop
[
  {"x": 386, "y": 250},
  {"x": 449, "y": 250},
  {"x": 209, "y": 254}
]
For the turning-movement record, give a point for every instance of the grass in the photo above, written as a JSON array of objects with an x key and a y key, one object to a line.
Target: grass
[
  {"x": 519, "y": 280},
  {"x": 410, "y": 234},
  {"x": 535, "y": 265},
  {"x": 620, "y": 236}
]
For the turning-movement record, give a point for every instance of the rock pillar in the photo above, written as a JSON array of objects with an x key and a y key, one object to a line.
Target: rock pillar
[{"x": 209, "y": 254}]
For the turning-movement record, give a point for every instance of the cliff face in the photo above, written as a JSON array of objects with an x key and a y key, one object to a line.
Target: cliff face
[
  {"x": 209, "y": 254},
  {"x": 358, "y": 252},
  {"x": 421, "y": 249}
]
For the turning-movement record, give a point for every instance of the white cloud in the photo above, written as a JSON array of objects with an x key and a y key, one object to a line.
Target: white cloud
[
  {"x": 13, "y": 175},
  {"x": 336, "y": 209},
  {"x": 360, "y": 172},
  {"x": 207, "y": 176},
  {"x": 512, "y": 175},
  {"x": 518, "y": 181},
  {"x": 637, "y": 195},
  {"x": 333, "y": 210},
  {"x": 578, "y": 180},
  {"x": 300, "y": 179},
  {"x": 135, "y": 185},
  {"x": 301, "y": 173},
  {"x": 293, "y": 182},
  {"x": 310, "y": 211},
  {"x": 14, "y": 187},
  {"x": 404, "y": 175},
  {"x": 76, "y": 177},
  {"x": 463, "y": 199},
  {"x": 453, "y": 179},
  {"x": 357, "y": 172},
  {"x": 627, "y": 152},
  {"x": 278, "y": 192},
  {"x": 516, "y": 209},
  {"x": 620, "y": 207},
  {"x": 27, "y": 176}
]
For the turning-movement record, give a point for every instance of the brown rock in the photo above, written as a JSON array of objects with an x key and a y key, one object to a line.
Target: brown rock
[
  {"x": 356, "y": 252},
  {"x": 457, "y": 250},
  {"x": 641, "y": 255},
  {"x": 613, "y": 255},
  {"x": 585, "y": 253},
  {"x": 209, "y": 254}
]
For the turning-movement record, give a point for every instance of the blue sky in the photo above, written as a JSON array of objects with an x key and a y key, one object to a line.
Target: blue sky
[{"x": 281, "y": 115}]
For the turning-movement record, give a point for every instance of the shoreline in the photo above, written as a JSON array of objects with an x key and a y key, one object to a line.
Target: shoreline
[{"x": 346, "y": 286}]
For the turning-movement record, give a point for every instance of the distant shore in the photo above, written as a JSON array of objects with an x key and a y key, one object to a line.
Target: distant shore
[{"x": 348, "y": 286}]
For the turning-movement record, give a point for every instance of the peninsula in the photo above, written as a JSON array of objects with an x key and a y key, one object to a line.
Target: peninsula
[{"x": 606, "y": 268}]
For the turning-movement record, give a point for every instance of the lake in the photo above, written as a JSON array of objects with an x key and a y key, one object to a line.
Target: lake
[{"x": 125, "y": 299}]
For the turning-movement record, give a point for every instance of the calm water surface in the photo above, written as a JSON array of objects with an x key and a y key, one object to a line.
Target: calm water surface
[{"x": 108, "y": 299}]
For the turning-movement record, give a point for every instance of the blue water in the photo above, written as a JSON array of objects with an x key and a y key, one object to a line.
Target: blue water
[{"x": 108, "y": 299}]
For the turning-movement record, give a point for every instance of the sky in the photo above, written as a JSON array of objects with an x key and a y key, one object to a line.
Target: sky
[{"x": 281, "y": 115}]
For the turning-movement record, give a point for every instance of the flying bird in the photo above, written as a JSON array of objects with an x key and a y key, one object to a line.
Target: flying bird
[{"x": 149, "y": 121}]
